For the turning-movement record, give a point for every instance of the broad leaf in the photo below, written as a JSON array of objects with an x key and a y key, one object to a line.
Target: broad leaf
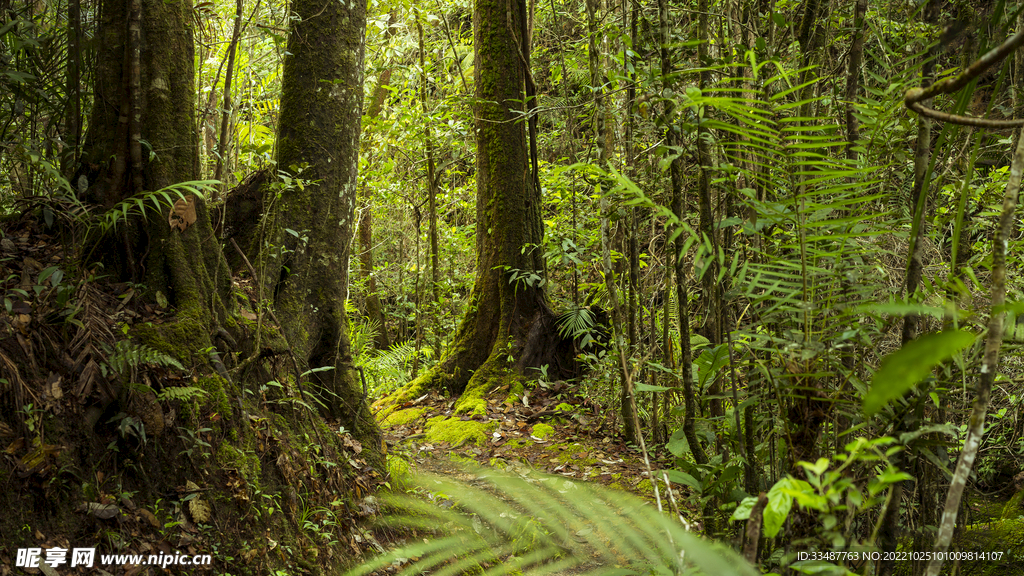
[{"x": 911, "y": 364}]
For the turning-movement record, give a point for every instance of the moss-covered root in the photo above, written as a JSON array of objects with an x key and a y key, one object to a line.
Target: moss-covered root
[
  {"x": 432, "y": 379},
  {"x": 456, "y": 432},
  {"x": 494, "y": 374},
  {"x": 401, "y": 417}
]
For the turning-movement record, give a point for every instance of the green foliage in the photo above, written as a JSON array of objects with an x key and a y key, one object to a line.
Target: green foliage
[
  {"x": 912, "y": 363},
  {"x": 503, "y": 523},
  {"x": 389, "y": 369},
  {"x": 182, "y": 393},
  {"x": 127, "y": 355}
]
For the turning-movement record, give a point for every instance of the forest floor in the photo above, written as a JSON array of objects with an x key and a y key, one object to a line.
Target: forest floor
[{"x": 547, "y": 430}]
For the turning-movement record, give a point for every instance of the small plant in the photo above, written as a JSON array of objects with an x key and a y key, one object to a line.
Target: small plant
[
  {"x": 193, "y": 441},
  {"x": 126, "y": 356},
  {"x": 129, "y": 427},
  {"x": 33, "y": 419}
]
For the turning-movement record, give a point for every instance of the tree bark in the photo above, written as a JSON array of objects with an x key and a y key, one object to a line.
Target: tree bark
[
  {"x": 307, "y": 261},
  {"x": 141, "y": 84},
  {"x": 508, "y": 327},
  {"x": 682, "y": 294}
]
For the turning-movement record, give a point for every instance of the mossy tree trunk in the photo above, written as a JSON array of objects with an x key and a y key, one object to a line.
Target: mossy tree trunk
[
  {"x": 508, "y": 328},
  {"x": 143, "y": 137},
  {"x": 307, "y": 256}
]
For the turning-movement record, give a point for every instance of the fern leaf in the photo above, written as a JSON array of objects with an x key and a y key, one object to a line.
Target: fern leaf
[{"x": 504, "y": 523}]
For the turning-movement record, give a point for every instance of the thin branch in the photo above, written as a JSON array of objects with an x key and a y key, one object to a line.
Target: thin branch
[
  {"x": 989, "y": 362},
  {"x": 913, "y": 98}
]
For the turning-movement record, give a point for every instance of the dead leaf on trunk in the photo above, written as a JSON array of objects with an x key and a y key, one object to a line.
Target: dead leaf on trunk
[{"x": 183, "y": 213}]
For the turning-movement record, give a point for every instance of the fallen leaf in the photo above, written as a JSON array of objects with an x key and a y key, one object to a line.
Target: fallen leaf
[
  {"x": 101, "y": 511},
  {"x": 150, "y": 517},
  {"x": 183, "y": 213},
  {"x": 200, "y": 510}
]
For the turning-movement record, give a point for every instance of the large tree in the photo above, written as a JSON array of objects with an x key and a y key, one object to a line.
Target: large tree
[
  {"x": 508, "y": 328},
  {"x": 142, "y": 137},
  {"x": 308, "y": 253}
]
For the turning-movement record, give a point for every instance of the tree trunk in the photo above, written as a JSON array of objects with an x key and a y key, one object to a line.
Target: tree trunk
[
  {"x": 374, "y": 310},
  {"x": 144, "y": 87},
  {"x": 682, "y": 295},
  {"x": 508, "y": 327},
  {"x": 307, "y": 262}
]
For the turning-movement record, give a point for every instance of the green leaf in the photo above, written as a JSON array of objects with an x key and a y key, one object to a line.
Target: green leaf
[
  {"x": 818, "y": 468},
  {"x": 640, "y": 387},
  {"x": 677, "y": 444},
  {"x": 911, "y": 364},
  {"x": 683, "y": 478},
  {"x": 779, "y": 503},
  {"x": 742, "y": 512}
]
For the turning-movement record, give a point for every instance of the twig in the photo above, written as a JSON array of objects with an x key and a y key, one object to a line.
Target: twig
[{"x": 989, "y": 362}]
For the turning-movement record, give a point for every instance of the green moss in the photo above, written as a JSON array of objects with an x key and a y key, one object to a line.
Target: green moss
[
  {"x": 1006, "y": 536},
  {"x": 492, "y": 375},
  {"x": 472, "y": 402},
  {"x": 401, "y": 417},
  {"x": 515, "y": 392},
  {"x": 390, "y": 403},
  {"x": 457, "y": 432},
  {"x": 542, "y": 431},
  {"x": 460, "y": 459},
  {"x": 563, "y": 407},
  {"x": 517, "y": 443},
  {"x": 1014, "y": 508},
  {"x": 643, "y": 487},
  {"x": 179, "y": 338},
  {"x": 216, "y": 394},
  {"x": 247, "y": 464},
  {"x": 569, "y": 454}
]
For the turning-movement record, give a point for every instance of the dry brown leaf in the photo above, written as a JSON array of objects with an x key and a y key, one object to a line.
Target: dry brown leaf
[
  {"x": 183, "y": 213},
  {"x": 200, "y": 511},
  {"x": 149, "y": 517},
  {"x": 101, "y": 511}
]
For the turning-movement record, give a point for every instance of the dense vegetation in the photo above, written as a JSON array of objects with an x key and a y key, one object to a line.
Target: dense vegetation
[{"x": 772, "y": 245}]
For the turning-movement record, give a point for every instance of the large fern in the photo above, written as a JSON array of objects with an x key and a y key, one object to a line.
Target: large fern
[{"x": 500, "y": 523}]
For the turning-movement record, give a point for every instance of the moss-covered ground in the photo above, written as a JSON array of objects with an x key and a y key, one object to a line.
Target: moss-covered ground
[{"x": 544, "y": 432}]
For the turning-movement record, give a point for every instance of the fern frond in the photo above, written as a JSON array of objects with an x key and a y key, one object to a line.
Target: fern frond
[
  {"x": 127, "y": 355},
  {"x": 503, "y": 523},
  {"x": 575, "y": 323},
  {"x": 183, "y": 393}
]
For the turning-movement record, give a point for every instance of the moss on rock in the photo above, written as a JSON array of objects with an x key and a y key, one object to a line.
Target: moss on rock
[
  {"x": 542, "y": 431},
  {"x": 401, "y": 417},
  {"x": 1014, "y": 508},
  {"x": 1005, "y": 536},
  {"x": 456, "y": 432}
]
